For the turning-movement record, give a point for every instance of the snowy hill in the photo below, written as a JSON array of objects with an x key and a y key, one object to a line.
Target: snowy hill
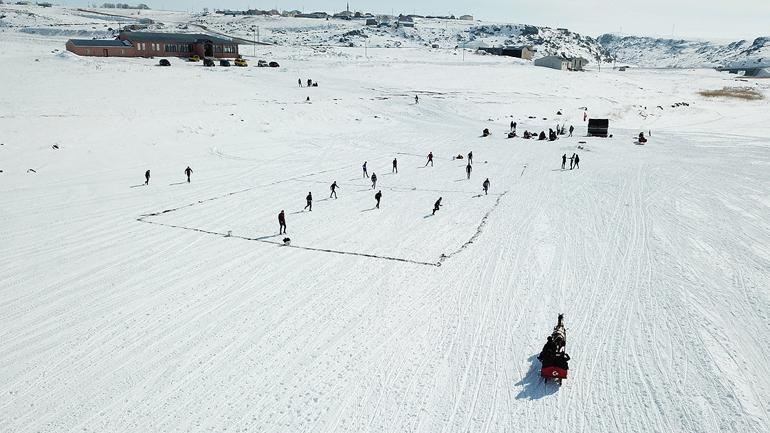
[{"x": 678, "y": 53}]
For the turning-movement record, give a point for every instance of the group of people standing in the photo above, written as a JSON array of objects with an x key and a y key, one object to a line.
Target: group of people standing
[{"x": 574, "y": 161}]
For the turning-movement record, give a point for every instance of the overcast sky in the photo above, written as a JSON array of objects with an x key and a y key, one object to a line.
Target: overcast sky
[{"x": 713, "y": 19}]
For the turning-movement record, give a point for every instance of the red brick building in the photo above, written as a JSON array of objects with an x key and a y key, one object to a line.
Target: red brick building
[{"x": 146, "y": 44}]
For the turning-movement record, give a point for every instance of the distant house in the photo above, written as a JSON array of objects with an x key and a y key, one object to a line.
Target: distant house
[
  {"x": 344, "y": 15},
  {"x": 371, "y": 22},
  {"x": 562, "y": 63},
  {"x": 525, "y": 53},
  {"x": 147, "y": 44},
  {"x": 320, "y": 15},
  {"x": 553, "y": 62},
  {"x": 405, "y": 21},
  {"x": 466, "y": 17}
]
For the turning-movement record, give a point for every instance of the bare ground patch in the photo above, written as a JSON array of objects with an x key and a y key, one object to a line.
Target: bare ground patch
[{"x": 745, "y": 93}]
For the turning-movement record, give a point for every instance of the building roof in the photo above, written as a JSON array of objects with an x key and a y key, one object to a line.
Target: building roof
[
  {"x": 100, "y": 43},
  {"x": 184, "y": 38}
]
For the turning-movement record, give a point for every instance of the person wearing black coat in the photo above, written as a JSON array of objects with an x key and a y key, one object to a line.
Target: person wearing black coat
[
  {"x": 309, "y": 200},
  {"x": 281, "y": 223},
  {"x": 436, "y": 206}
]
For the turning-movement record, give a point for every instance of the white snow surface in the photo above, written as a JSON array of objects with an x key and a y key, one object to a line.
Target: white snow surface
[{"x": 127, "y": 308}]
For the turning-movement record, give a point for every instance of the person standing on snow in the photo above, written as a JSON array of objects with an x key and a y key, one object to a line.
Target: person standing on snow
[
  {"x": 416, "y": 99},
  {"x": 281, "y": 223},
  {"x": 577, "y": 161},
  {"x": 470, "y": 157},
  {"x": 436, "y": 206},
  {"x": 366, "y": 175},
  {"x": 333, "y": 187},
  {"x": 571, "y": 129},
  {"x": 468, "y": 169},
  {"x": 188, "y": 172},
  {"x": 485, "y": 185},
  {"x": 563, "y": 161},
  {"x": 374, "y": 180},
  {"x": 430, "y": 159},
  {"x": 395, "y": 166},
  {"x": 299, "y": 81},
  {"x": 377, "y": 197},
  {"x": 147, "y": 177},
  {"x": 571, "y": 161},
  {"x": 309, "y": 200}
]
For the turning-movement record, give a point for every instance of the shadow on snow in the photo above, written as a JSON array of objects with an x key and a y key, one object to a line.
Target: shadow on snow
[{"x": 532, "y": 385}]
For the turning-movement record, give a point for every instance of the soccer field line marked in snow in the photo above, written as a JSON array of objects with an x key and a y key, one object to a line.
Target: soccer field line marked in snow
[
  {"x": 478, "y": 232},
  {"x": 144, "y": 219},
  {"x": 265, "y": 239}
]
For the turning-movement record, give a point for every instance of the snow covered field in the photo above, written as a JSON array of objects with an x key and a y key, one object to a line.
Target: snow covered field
[{"x": 126, "y": 308}]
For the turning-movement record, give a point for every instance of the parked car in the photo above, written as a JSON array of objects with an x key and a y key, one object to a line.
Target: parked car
[
  {"x": 274, "y": 64},
  {"x": 194, "y": 58},
  {"x": 241, "y": 62},
  {"x": 208, "y": 62},
  {"x": 224, "y": 62},
  {"x": 262, "y": 64},
  {"x": 164, "y": 62}
]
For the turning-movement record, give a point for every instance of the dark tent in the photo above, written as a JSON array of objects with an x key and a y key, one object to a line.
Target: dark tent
[{"x": 598, "y": 127}]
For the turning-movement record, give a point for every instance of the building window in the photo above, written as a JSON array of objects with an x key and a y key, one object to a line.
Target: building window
[
  {"x": 217, "y": 48},
  {"x": 88, "y": 51},
  {"x": 230, "y": 49}
]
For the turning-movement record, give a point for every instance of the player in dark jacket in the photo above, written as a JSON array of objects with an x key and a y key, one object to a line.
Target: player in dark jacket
[
  {"x": 485, "y": 185},
  {"x": 147, "y": 177},
  {"x": 366, "y": 174},
  {"x": 468, "y": 169},
  {"x": 436, "y": 206},
  {"x": 281, "y": 223},
  {"x": 309, "y": 200},
  {"x": 188, "y": 172},
  {"x": 395, "y": 166},
  {"x": 377, "y": 197},
  {"x": 470, "y": 157},
  {"x": 430, "y": 159},
  {"x": 333, "y": 187}
]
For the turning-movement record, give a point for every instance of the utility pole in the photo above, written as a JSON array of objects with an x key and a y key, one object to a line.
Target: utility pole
[{"x": 254, "y": 38}]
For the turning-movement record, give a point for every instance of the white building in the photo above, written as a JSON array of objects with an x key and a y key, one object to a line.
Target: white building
[
  {"x": 553, "y": 62},
  {"x": 562, "y": 63}
]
